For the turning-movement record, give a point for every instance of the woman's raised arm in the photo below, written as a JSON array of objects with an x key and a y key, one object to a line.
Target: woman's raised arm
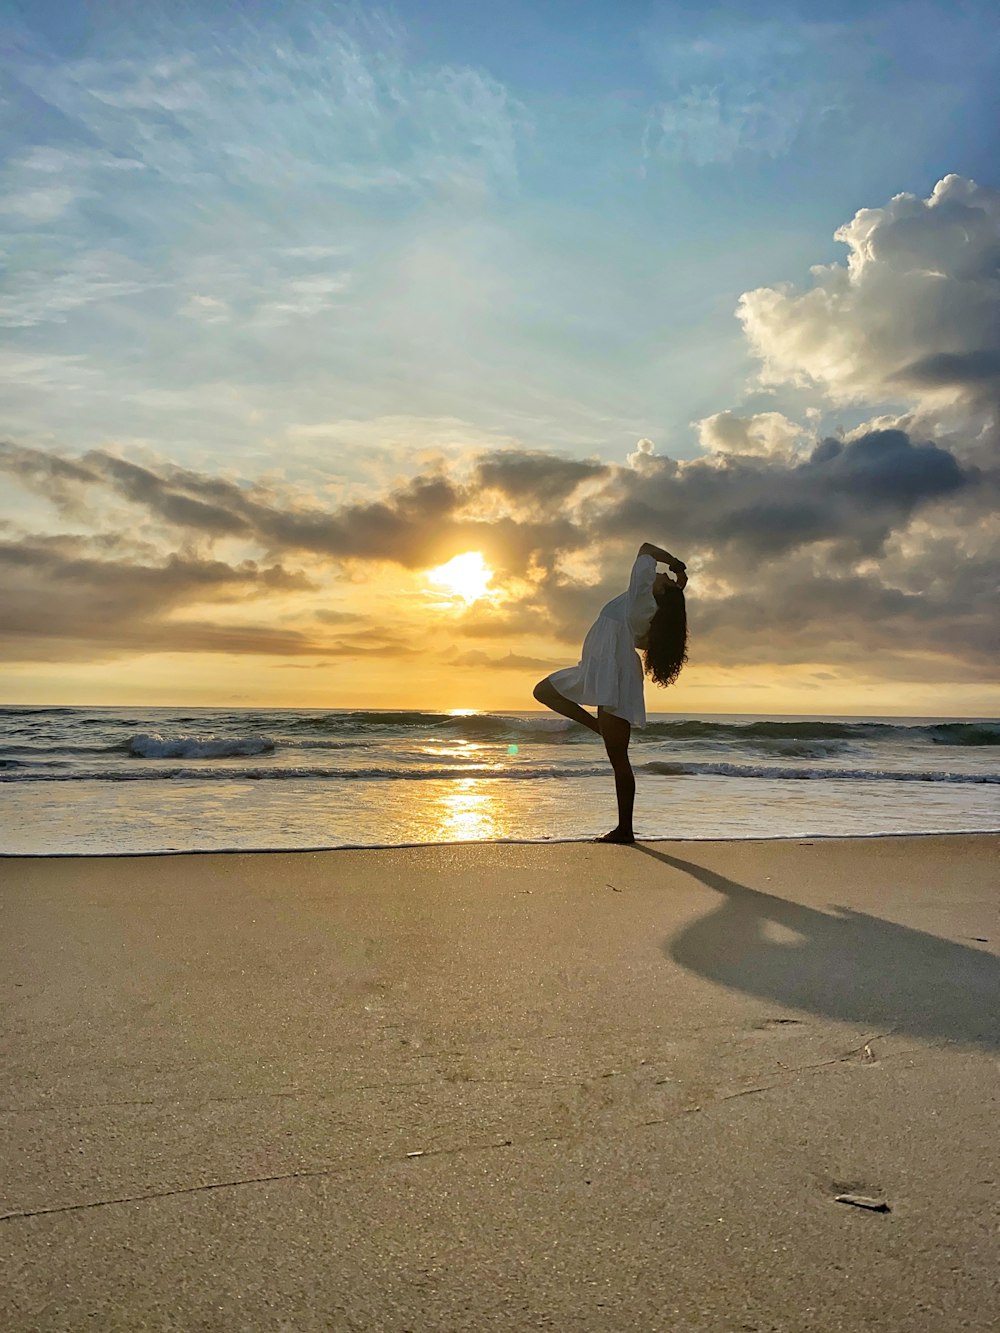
[{"x": 658, "y": 553}]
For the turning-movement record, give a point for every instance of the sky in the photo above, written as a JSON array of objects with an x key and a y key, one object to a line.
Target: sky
[{"x": 299, "y": 303}]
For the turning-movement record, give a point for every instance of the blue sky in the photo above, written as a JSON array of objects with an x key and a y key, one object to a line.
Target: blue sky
[{"x": 534, "y": 220}]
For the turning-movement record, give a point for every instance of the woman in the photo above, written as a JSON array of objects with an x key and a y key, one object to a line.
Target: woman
[{"x": 652, "y": 616}]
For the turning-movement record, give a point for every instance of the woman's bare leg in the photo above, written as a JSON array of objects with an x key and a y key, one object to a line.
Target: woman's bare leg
[
  {"x": 546, "y": 693},
  {"x": 617, "y": 732}
]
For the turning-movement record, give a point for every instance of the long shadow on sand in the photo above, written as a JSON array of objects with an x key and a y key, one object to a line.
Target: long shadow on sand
[{"x": 842, "y": 964}]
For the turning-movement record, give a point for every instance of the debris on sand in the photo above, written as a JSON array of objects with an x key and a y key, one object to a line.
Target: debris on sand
[{"x": 863, "y": 1201}]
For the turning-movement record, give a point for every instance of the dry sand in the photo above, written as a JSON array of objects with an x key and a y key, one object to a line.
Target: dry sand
[{"x": 504, "y": 1087}]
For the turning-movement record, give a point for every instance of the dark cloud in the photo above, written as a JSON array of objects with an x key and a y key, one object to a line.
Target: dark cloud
[
  {"x": 534, "y": 478},
  {"x": 58, "y": 601},
  {"x": 171, "y": 502},
  {"x": 64, "y": 481},
  {"x": 856, "y": 493},
  {"x": 804, "y": 552},
  {"x": 336, "y": 617},
  {"x": 958, "y": 368},
  {"x": 376, "y": 643},
  {"x": 416, "y": 525}
]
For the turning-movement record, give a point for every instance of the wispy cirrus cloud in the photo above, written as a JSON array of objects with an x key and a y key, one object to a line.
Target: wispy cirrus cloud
[
  {"x": 90, "y": 277},
  {"x": 738, "y": 86},
  {"x": 234, "y": 188}
]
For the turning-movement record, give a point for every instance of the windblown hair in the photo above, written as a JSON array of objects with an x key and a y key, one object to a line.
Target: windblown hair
[{"x": 666, "y": 642}]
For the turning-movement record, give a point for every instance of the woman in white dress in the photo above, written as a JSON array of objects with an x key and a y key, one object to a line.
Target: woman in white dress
[{"x": 651, "y": 616}]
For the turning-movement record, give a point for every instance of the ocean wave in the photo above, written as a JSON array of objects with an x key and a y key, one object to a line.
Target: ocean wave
[
  {"x": 32, "y": 763},
  {"x": 472, "y": 726},
  {"x": 483, "y": 773},
  {"x": 497, "y": 726},
  {"x": 963, "y": 733},
  {"x": 30, "y": 710},
  {"x": 39, "y": 751},
  {"x": 500, "y": 726},
  {"x": 726, "y": 770},
  {"x": 790, "y": 749},
  {"x": 146, "y": 774},
  {"x": 944, "y": 733},
  {"x": 154, "y": 746}
]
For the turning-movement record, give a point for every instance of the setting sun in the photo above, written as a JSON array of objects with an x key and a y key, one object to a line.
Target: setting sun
[{"x": 466, "y": 576}]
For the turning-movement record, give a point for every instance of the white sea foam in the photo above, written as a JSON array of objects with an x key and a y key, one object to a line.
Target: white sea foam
[{"x": 155, "y": 746}]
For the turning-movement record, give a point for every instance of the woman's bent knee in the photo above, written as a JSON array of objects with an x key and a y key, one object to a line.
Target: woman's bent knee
[{"x": 543, "y": 691}]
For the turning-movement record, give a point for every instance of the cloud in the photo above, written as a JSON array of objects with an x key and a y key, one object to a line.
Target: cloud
[
  {"x": 874, "y": 551},
  {"x": 761, "y": 435},
  {"x": 953, "y": 368},
  {"x": 260, "y": 104},
  {"x": 640, "y": 456},
  {"x": 93, "y": 275},
  {"x": 415, "y": 525},
  {"x": 512, "y": 662},
  {"x": 534, "y": 478},
  {"x": 328, "y": 617},
  {"x": 61, "y": 601},
  {"x": 739, "y": 85},
  {"x": 42, "y": 204},
  {"x": 856, "y": 493},
  {"x": 708, "y": 125},
  {"x": 744, "y": 521},
  {"x": 915, "y": 311}
]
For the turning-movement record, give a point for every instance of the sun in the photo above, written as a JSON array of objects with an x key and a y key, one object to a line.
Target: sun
[{"x": 466, "y": 576}]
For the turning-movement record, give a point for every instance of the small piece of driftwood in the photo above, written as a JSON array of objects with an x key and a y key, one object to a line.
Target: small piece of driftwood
[{"x": 863, "y": 1201}]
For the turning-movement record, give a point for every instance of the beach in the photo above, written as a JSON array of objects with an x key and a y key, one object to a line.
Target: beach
[{"x": 505, "y": 1086}]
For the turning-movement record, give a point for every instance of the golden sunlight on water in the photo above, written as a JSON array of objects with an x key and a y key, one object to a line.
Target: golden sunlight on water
[
  {"x": 467, "y": 811},
  {"x": 468, "y": 753}
]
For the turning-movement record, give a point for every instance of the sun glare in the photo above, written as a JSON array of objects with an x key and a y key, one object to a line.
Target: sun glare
[{"x": 465, "y": 576}]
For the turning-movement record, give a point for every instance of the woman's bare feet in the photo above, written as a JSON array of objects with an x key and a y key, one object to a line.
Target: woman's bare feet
[{"x": 617, "y": 835}]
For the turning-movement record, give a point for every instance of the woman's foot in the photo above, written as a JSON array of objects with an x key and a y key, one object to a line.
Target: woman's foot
[{"x": 617, "y": 835}]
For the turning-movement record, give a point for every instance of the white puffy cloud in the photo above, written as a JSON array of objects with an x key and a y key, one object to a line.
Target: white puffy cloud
[
  {"x": 914, "y": 314},
  {"x": 760, "y": 435},
  {"x": 644, "y": 451}
]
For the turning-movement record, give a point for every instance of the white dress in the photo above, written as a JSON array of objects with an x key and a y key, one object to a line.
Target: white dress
[{"x": 609, "y": 673}]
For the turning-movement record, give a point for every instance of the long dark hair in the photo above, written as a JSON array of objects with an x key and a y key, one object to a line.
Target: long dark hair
[{"x": 666, "y": 642}]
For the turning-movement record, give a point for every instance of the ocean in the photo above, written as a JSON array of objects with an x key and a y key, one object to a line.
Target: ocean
[{"x": 112, "y": 780}]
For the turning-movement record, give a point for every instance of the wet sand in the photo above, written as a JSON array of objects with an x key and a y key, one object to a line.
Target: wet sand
[{"x": 504, "y": 1087}]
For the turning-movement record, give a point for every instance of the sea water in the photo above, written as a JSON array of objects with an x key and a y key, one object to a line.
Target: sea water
[{"x": 155, "y": 780}]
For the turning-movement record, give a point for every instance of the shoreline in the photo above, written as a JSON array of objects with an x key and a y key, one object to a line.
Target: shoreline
[{"x": 487, "y": 842}]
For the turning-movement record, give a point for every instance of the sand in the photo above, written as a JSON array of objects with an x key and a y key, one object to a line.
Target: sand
[{"x": 504, "y": 1087}]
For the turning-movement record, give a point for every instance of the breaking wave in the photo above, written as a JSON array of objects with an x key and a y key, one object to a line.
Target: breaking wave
[{"x": 155, "y": 746}]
